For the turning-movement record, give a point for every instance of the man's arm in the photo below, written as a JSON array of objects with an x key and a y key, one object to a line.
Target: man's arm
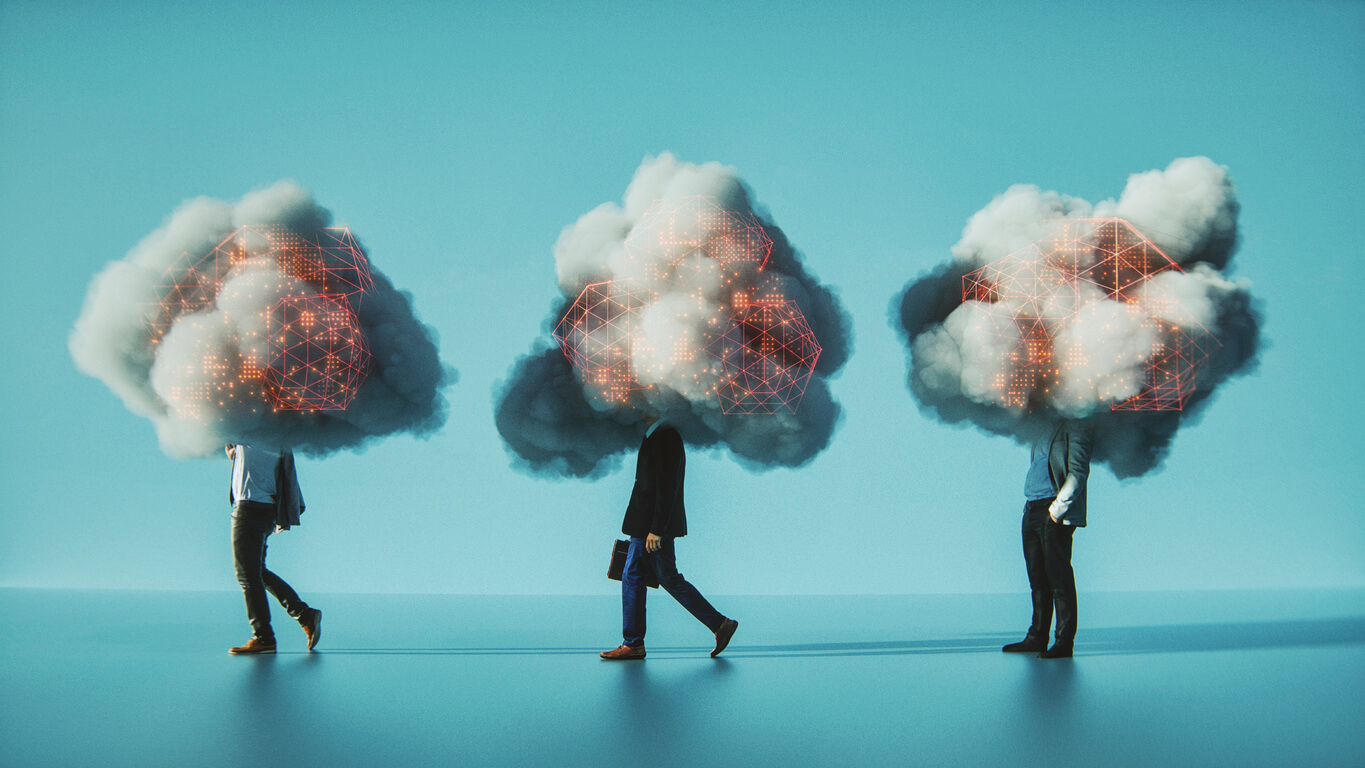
[
  {"x": 667, "y": 467},
  {"x": 1079, "y": 444}
]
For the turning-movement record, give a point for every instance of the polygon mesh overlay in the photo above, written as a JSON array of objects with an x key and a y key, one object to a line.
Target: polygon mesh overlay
[
  {"x": 598, "y": 336},
  {"x": 318, "y": 355},
  {"x": 675, "y": 239},
  {"x": 764, "y": 353},
  {"x": 768, "y": 352},
  {"x": 1033, "y": 291}
]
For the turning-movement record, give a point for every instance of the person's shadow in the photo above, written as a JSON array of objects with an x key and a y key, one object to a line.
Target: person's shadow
[
  {"x": 1097, "y": 641},
  {"x": 1224, "y": 636}
]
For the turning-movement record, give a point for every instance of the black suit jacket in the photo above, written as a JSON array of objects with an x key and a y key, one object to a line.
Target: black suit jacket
[{"x": 656, "y": 502}]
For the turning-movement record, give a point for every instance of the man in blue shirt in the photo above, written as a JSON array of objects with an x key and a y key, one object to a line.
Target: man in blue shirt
[
  {"x": 265, "y": 498},
  {"x": 1054, "y": 507}
]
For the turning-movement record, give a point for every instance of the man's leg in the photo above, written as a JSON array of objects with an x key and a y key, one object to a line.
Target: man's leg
[
  {"x": 1057, "y": 553},
  {"x": 249, "y": 531},
  {"x": 1035, "y": 518},
  {"x": 289, "y": 599},
  {"x": 666, "y": 566},
  {"x": 1031, "y": 528},
  {"x": 308, "y": 618},
  {"x": 633, "y": 593}
]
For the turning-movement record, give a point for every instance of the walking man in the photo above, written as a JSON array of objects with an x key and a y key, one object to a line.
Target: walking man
[
  {"x": 265, "y": 498},
  {"x": 1054, "y": 507},
  {"x": 654, "y": 518}
]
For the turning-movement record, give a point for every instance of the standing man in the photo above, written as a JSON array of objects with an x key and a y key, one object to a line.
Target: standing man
[
  {"x": 265, "y": 498},
  {"x": 1054, "y": 507},
  {"x": 654, "y": 518}
]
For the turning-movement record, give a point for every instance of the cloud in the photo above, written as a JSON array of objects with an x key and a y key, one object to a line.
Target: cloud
[
  {"x": 667, "y": 296},
  {"x": 256, "y": 322},
  {"x": 1120, "y": 312}
]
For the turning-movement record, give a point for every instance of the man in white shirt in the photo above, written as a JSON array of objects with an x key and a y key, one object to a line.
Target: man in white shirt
[
  {"x": 1054, "y": 507},
  {"x": 265, "y": 498}
]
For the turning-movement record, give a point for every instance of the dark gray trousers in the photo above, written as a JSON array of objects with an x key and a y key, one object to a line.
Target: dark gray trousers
[
  {"x": 252, "y": 524},
  {"x": 1047, "y": 555}
]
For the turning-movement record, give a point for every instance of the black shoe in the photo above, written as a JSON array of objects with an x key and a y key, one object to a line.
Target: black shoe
[
  {"x": 1030, "y": 644},
  {"x": 1059, "y": 650},
  {"x": 723, "y": 635},
  {"x": 312, "y": 627}
]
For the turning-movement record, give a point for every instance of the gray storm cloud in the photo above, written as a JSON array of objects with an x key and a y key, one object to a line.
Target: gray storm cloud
[
  {"x": 1105, "y": 341},
  {"x": 554, "y": 423},
  {"x": 191, "y": 351}
]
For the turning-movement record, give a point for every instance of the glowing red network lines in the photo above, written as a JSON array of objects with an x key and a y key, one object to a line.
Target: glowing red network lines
[
  {"x": 1032, "y": 292},
  {"x": 768, "y": 353},
  {"x": 598, "y": 335},
  {"x": 316, "y": 355},
  {"x": 757, "y": 361},
  {"x": 331, "y": 262},
  {"x": 676, "y": 238}
]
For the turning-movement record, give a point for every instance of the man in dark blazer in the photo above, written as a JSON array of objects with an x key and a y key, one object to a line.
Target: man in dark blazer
[
  {"x": 654, "y": 518},
  {"x": 265, "y": 498},
  {"x": 1054, "y": 507}
]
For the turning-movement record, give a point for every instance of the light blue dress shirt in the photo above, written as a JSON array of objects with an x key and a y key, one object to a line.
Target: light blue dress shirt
[{"x": 253, "y": 474}]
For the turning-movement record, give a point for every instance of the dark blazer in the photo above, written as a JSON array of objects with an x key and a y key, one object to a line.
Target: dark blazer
[
  {"x": 656, "y": 502},
  {"x": 1069, "y": 454},
  {"x": 288, "y": 495}
]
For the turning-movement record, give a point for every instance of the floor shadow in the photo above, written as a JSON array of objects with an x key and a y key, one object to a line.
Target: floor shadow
[
  {"x": 1099, "y": 641},
  {"x": 881, "y": 648},
  {"x": 1230, "y": 636}
]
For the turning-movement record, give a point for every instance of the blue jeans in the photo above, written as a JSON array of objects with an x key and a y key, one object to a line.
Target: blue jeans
[{"x": 666, "y": 568}]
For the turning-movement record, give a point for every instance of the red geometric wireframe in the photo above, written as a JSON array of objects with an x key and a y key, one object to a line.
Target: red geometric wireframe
[
  {"x": 765, "y": 351},
  {"x": 768, "y": 353},
  {"x": 1033, "y": 289},
  {"x": 598, "y": 335},
  {"x": 668, "y": 238},
  {"x": 331, "y": 262},
  {"x": 317, "y": 354}
]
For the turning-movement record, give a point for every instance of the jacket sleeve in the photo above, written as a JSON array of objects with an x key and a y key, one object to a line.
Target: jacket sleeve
[
  {"x": 668, "y": 460},
  {"x": 1080, "y": 441},
  {"x": 288, "y": 496}
]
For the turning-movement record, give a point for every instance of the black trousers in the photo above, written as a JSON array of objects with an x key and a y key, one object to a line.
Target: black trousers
[
  {"x": 252, "y": 524},
  {"x": 1047, "y": 555}
]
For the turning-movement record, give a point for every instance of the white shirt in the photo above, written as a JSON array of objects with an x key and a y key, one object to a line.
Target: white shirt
[{"x": 253, "y": 474}]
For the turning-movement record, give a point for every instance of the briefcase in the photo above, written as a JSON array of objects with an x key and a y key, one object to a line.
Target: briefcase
[{"x": 618, "y": 564}]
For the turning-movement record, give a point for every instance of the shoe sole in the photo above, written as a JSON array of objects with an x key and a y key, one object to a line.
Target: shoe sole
[
  {"x": 722, "y": 645},
  {"x": 317, "y": 632}
]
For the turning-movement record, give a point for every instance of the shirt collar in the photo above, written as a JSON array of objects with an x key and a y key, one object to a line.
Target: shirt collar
[{"x": 653, "y": 427}]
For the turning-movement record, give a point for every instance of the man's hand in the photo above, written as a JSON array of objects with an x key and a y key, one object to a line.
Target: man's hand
[
  {"x": 1057, "y": 510},
  {"x": 653, "y": 542}
]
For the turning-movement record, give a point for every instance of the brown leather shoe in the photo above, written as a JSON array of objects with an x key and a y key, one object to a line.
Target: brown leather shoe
[
  {"x": 255, "y": 645},
  {"x": 313, "y": 628},
  {"x": 624, "y": 653},
  {"x": 723, "y": 635}
]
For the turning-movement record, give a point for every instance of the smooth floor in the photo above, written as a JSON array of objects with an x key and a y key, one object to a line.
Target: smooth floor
[{"x": 143, "y": 679}]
